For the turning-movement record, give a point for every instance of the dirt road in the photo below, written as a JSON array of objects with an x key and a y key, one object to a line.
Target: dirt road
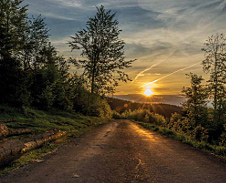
[{"x": 122, "y": 151}]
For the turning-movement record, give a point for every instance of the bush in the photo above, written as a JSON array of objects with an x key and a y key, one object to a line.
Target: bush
[
  {"x": 143, "y": 115},
  {"x": 200, "y": 133},
  {"x": 223, "y": 137},
  {"x": 115, "y": 114},
  {"x": 174, "y": 119},
  {"x": 91, "y": 104}
]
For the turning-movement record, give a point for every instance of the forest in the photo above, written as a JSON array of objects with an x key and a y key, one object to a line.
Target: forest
[{"x": 33, "y": 74}]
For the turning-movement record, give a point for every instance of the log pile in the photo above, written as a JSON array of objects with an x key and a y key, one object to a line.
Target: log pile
[
  {"x": 12, "y": 149},
  {"x": 5, "y": 131}
]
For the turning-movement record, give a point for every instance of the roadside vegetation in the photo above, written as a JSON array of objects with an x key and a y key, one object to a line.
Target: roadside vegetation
[
  {"x": 199, "y": 124},
  {"x": 37, "y": 89},
  {"x": 121, "y": 106},
  {"x": 38, "y": 121},
  {"x": 175, "y": 129}
]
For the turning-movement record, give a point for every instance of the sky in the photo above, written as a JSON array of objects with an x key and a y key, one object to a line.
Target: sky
[{"x": 165, "y": 36}]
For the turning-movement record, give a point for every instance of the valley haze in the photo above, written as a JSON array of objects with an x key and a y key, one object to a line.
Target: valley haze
[{"x": 154, "y": 99}]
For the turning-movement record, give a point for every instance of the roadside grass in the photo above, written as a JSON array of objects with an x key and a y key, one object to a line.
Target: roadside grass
[
  {"x": 29, "y": 157},
  {"x": 40, "y": 121},
  {"x": 201, "y": 145}
]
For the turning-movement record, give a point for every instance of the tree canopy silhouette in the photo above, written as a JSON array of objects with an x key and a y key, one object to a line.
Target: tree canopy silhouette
[
  {"x": 215, "y": 64},
  {"x": 103, "y": 51}
]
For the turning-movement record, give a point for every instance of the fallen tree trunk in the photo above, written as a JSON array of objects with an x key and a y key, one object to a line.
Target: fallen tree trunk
[
  {"x": 5, "y": 131},
  {"x": 8, "y": 120},
  {"x": 42, "y": 138},
  {"x": 10, "y": 150},
  {"x": 19, "y": 131}
]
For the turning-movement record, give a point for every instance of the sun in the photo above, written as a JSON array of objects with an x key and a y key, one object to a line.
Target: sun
[{"x": 148, "y": 92}]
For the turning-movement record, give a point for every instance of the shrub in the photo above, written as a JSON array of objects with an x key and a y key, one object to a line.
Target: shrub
[
  {"x": 143, "y": 115},
  {"x": 223, "y": 137},
  {"x": 91, "y": 104},
  {"x": 200, "y": 133},
  {"x": 116, "y": 115}
]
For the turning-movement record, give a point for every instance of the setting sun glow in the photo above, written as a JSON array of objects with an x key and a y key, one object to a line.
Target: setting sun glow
[{"x": 148, "y": 92}]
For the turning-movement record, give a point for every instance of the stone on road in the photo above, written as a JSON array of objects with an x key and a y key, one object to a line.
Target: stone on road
[{"x": 122, "y": 151}]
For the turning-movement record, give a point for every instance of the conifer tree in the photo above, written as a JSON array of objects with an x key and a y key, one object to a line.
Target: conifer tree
[{"x": 196, "y": 104}]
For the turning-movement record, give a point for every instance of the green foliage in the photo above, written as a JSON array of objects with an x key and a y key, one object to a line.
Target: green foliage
[
  {"x": 144, "y": 115},
  {"x": 215, "y": 64},
  {"x": 195, "y": 106},
  {"x": 163, "y": 109},
  {"x": 115, "y": 115},
  {"x": 219, "y": 150},
  {"x": 33, "y": 74},
  {"x": 40, "y": 121},
  {"x": 12, "y": 27},
  {"x": 103, "y": 52},
  {"x": 91, "y": 104},
  {"x": 223, "y": 137},
  {"x": 200, "y": 133}
]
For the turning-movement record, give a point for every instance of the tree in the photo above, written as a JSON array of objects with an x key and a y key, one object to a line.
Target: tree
[
  {"x": 12, "y": 27},
  {"x": 196, "y": 104},
  {"x": 35, "y": 40},
  {"x": 215, "y": 64},
  {"x": 50, "y": 80},
  {"x": 103, "y": 52}
]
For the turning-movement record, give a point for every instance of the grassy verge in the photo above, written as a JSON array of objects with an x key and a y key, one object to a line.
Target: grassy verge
[
  {"x": 40, "y": 121},
  {"x": 217, "y": 150}
]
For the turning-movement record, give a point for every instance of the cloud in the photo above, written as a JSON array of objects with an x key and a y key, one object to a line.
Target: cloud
[
  {"x": 163, "y": 77},
  {"x": 151, "y": 29},
  {"x": 69, "y": 3}
]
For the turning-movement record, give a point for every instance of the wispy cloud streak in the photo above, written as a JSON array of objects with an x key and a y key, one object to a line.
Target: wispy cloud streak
[
  {"x": 145, "y": 70},
  {"x": 170, "y": 74}
]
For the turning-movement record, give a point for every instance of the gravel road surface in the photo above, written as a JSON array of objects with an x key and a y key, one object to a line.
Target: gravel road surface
[{"x": 122, "y": 152}]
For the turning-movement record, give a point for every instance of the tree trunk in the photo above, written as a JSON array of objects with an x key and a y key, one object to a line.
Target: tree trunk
[
  {"x": 93, "y": 73},
  {"x": 42, "y": 138},
  {"x": 215, "y": 80},
  {"x": 93, "y": 78}
]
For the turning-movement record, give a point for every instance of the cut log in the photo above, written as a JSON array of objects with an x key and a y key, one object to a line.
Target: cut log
[
  {"x": 19, "y": 131},
  {"x": 10, "y": 150},
  {"x": 8, "y": 120},
  {"x": 39, "y": 140},
  {"x": 3, "y": 130}
]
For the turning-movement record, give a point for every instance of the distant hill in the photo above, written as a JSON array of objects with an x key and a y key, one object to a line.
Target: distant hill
[
  {"x": 121, "y": 105},
  {"x": 155, "y": 99}
]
